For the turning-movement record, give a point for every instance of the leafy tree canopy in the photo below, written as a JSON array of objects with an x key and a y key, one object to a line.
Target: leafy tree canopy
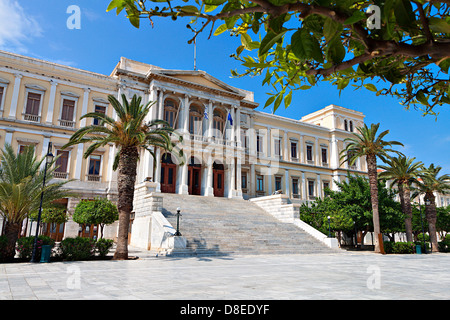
[{"x": 391, "y": 47}]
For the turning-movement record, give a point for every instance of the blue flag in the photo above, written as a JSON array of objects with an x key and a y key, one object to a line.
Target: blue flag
[
  {"x": 230, "y": 118},
  {"x": 205, "y": 114}
]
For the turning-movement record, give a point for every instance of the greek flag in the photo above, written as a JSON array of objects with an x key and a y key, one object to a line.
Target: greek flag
[
  {"x": 230, "y": 118},
  {"x": 205, "y": 114}
]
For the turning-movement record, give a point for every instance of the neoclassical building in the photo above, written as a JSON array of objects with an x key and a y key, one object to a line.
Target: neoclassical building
[{"x": 231, "y": 149}]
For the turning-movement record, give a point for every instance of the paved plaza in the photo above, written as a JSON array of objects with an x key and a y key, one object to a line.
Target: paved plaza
[{"x": 347, "y": 275}]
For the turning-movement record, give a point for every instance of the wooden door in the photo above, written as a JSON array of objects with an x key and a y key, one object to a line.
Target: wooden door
[
  {"x": 194, "y": 179},
  {"x": 218, "y": 182},
  {"x": 168, "y": 176}
]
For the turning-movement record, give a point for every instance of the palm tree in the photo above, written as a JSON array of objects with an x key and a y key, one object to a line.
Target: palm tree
[
  {"x": 403, "y": 172},
  {"x": 129, "y": 133},
  {"x": 367, "y": 143},
  {"x": 429, "y": 184},
  {"x": 21, "y": 179}
]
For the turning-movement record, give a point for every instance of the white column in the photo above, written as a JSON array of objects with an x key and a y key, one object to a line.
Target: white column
[
  {"x": 286, "y": 149},
  {"x": 287, "y": 183},
  {"x": 15, "y": 96},
  {"x": 84, "y": 107},
  {"x": 209, "y": 190},
  {"x": 269, "y": 180},
  {"x": 252, "y": 180},
  {"x": 317, "y": 147},
  {"x": 79, "y": 162},
  {"x": 183, "y": 188},
  {"x": 302, "y": 156},
  {"x": 51, "y": 102},
  {"x": 157, "y": 173},
  {"x": 319, "y": 187},
  {"x": 186, "y": 114},
  {"x": 160, "y": 105},
  {"x": 209, "y": 133},
  {"x": 269, "y": 142},
  {"x": 334, "y": 152},
  {"x": 8, "y": 136},
  {"x": 304, "y": 187},
  {"x": 232, "y": 175},
  {"x": 232, "y": 127},
  {"x": 238, "y": 126},
  {"x": 239, "y": 177}
]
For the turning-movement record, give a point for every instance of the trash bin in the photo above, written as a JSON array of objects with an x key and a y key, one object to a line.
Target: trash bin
[
  {"x": 418, "y": 249},
  {"x": 45, "y": 253}
]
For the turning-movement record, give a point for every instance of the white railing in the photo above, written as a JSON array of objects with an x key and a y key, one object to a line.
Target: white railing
[
  {"x": 31, "y": 117},
  {"x": 60, "y": 175},
  {"x": 66, "y": 123},
  {"x": 94, "y": 178}
]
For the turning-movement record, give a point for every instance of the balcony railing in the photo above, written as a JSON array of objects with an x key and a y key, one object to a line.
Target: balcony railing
[
  {"x": 94, "y": 178},
  {"x": 66, "y": 123},
  {"x": 31, "y": 117},
  {"x": 60, "y": 175}
]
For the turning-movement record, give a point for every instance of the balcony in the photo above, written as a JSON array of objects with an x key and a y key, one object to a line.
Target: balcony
[
  {"x": 31, "y": 117},
  {"x": 325, "y": 164},
  {"x": 66, "y": 123},
  {"x": 60, "y": 175},
  {"x": 94, "y": 178}
]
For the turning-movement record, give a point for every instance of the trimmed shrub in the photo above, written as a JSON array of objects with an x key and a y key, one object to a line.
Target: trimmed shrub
[
  {"x": 103, "y": 246},
  {"x": 24, "y": 245},
  {"x": 444, "y": 245},
  {"x": 388, "y": 246},
  {"x": 78, "y": 248},
  {"x": 403, "y": 247}
]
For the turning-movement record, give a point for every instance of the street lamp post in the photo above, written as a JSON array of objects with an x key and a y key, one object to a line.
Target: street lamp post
[
  {"x": 177, "y": 233},
  {"x": 48, "y": 160}
]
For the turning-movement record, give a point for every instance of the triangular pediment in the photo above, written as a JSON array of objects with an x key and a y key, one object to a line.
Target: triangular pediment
[{"x": 199, "y": 78}]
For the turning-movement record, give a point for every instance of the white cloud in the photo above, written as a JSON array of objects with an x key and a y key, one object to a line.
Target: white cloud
[{"x": 16, "y": 27}]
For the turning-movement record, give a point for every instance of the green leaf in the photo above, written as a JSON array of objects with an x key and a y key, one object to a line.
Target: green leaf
[
  {"x": 269, "y": 101},
  {"x": 214, "y": 2},
  {"x": 305, "y": 46},
  {"x": 331, "y": 28},
  {"x": 288, "y": 99},
  {"x": 370, "y": 87},
  {"x": 246, "y": 41},
  {"x": 445, "y": 65},
  {"x": 268, "y": 41},
  {"x": 356, "y": 16},
  {"x": 439, "y": 25},
  {"x": 278, "y": 101},
  {"x": 404, "y": 14},
  {"x": 115, "y": 4},
  {"x": 189, "y": 9},
  {"x": 220, "y": 29},
  {"x": 336, "y": 51},
  {"x": 420, "y": 96}
]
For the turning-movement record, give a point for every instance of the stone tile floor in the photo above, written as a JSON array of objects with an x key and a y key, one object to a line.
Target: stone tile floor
[{"x": 348, "y": 275}]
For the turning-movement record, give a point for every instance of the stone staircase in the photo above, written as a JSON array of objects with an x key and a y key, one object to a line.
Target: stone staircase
[{"x": 220, "y": 226}]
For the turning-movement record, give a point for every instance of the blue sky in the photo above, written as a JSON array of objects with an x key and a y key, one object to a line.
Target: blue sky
[{"x": 39, "y": 29}]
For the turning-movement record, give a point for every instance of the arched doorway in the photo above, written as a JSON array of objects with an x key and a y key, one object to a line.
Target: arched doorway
[
  {"x": 194, "y": 177},
  {"x": 168, "y": 174},
  {"x": 218, "y": 179}
]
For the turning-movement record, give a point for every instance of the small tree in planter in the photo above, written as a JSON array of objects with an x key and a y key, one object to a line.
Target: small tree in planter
[
  {"x": 56, "y": 214},
  {"x": 99, "y": 211}
]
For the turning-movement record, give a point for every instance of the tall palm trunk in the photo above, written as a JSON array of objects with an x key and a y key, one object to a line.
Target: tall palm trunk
[
  {"x": 126, "y": 179},
  {"x": 407, "y": 210},
  {"x": 373, "y": 182},
  {"x": 431, "y": 215},
  {"x": 11, "y": 233}
]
